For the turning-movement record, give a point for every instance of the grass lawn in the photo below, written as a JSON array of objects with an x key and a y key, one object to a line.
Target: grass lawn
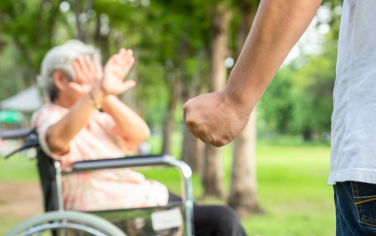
[{"x": 291, "y": 186}]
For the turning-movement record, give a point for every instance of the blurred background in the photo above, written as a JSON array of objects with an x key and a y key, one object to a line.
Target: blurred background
[{"x": 182, "y": 49}]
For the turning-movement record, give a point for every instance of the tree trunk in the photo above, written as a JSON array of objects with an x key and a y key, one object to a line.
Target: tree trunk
[
  {"x": 77, "y": 11},
  {"x": 307, "y": 135},
  {"x": 213, "y": 176},
  {"x": 192, "y": 151},
  {"x": 172, "y": 103},
  {"x": 193, "y": 148},
  {"x": 243, "y": 195},
  {"x": 247, "y": 15}
]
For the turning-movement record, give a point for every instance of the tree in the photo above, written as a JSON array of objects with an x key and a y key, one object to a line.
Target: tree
[
  {"x": 220, "y": 23},
  {"x": 81, "y": 8},
  {"x": 243, "y": 194},
  {"x": 174, "y": 80},
  {"x": 158, "y": 36},
  {"x": 31, "y": 26},
  {"x": 192, "y": 147}
]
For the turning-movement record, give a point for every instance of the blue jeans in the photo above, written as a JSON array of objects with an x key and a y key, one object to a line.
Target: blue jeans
[{"x": 355, "y": 208}]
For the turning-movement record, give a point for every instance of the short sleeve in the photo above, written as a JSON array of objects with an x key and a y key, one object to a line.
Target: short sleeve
[{"x": 42, "y": 120}]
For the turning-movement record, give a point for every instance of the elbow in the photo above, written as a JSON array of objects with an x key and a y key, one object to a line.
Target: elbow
[
  {"x": 136, "y": 141},
  {"x": 57, "y": 146},
  {"x": 145, "y": 134}
]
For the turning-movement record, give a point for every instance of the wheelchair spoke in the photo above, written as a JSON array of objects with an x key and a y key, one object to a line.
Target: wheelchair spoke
[
  {"x": 62, "y": 233},
  {"x": 39, "y": 233}
]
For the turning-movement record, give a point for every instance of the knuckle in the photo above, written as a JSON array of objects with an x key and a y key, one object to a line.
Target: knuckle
[
  {"x": 200, "y": 130},
  {"x": 186, "y": 106},
  {"x": 208, "y": 140},
  {"x": 190, "y": 121}
]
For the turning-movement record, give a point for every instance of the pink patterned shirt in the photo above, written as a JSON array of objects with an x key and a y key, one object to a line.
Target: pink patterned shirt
[{"x": 102, "y": 189}]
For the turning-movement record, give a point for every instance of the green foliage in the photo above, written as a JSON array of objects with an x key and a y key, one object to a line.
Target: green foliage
[
  {"x": 8, "y": 86},
  {"x": 300, "y": 98},
  {"x": 167, "y": 37},
  {"x": 314, "y": 92},
  {"x": 31, "y": 26}
]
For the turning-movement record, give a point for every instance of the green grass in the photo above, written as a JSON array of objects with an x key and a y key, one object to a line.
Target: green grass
[
  {"x": 18, "y": 168},
  {"x": 291, "y": 187},
  {"x": 293, "y": 192}
]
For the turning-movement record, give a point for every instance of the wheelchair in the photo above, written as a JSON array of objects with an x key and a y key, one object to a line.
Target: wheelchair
[{"x": 174, "y": 219}]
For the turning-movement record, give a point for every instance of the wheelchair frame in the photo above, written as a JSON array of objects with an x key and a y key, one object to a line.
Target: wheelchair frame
[{"x": 52, "y": 187}]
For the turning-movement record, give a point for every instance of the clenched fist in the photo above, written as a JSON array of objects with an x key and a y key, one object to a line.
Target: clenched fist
[{"x": 215, "y": 118}]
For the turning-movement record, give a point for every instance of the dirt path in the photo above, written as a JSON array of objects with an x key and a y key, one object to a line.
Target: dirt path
[{"x": 20, "y": 200}]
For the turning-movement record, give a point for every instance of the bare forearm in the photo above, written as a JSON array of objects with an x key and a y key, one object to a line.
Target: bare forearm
[
  {"x": 61, "y": 134},
  {"x": 277, "y": 27},
  {"x": 132, "y": 126}
]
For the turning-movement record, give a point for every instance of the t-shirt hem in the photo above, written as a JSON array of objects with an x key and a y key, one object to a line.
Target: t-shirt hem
[{"x": 363, "y": 175}]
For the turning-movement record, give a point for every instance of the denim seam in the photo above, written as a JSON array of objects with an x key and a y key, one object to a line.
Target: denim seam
[
  {"x": 363, "y": 220},
  {"x": 366, "y": 196},
  {"x": 364, "y": 201},
  {"x": 357, "y": 210},
  {"x": 360, "y": 207}
]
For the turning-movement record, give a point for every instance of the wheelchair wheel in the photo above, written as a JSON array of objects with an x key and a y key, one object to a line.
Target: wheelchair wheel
[{"x": 66, "y": 223}]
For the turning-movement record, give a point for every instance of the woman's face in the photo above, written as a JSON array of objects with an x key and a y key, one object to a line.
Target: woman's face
[
  {"x": 69, "y": 92},
  {"x": 88, "y": 73},
  {"x": 75, "y": 90}
]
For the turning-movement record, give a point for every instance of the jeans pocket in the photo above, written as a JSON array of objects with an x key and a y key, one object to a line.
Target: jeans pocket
[{"x": 364, "y": 195}]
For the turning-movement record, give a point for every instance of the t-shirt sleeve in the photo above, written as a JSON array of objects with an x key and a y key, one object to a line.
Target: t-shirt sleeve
[{"x": 42, "y": 120}]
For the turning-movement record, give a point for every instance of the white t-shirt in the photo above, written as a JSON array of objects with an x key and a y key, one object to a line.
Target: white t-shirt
[{"x": 353, "y": 154}]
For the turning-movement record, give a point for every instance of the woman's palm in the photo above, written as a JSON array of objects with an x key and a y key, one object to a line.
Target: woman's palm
[{"x": 116, "y": 69}]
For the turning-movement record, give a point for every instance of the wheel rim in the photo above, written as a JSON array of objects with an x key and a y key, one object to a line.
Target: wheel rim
[
  {"x": 65, "y": 223},
  {"x": 63, "y": 226}
]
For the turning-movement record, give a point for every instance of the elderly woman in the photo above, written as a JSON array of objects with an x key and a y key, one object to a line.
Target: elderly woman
[
  {"x": 86, "y": 121},
  {"x": 72, "y": 129}
]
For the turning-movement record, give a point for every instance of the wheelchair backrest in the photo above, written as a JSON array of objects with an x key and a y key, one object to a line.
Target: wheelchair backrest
[{"x": 47, "y": 177}]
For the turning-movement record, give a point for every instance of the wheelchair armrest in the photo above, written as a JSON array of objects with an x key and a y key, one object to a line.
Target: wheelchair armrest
[
  {"x": 133, "y": 161},
  {"x": 17, "y": 133}
]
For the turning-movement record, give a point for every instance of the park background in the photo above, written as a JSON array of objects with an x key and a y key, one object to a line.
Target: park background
[{"x": 274, "y": 175}]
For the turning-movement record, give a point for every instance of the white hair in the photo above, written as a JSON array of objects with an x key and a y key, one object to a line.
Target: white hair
[{"x": 62, "y": 58}]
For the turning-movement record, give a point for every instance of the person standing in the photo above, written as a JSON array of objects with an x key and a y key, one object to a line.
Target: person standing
[{"x": 218, "y": 118}]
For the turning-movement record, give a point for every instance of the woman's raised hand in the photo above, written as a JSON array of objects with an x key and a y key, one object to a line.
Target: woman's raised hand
[
  {"x": 116, "y": 69},
  {"x": 88, "y": 73}
]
